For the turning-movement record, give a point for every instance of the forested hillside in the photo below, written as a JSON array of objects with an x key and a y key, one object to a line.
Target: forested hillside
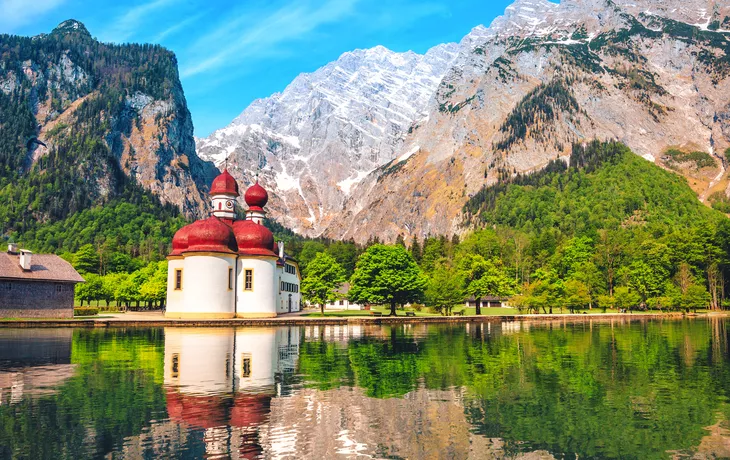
[{"x": 84, "y": 124}]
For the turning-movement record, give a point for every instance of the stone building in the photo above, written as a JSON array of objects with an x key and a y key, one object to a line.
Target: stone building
[{"x": 36, "y": 285}]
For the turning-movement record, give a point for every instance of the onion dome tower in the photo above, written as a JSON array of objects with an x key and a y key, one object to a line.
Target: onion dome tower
[
  {"x": 223, "y": 192},
  {"x": 256, "y": 198}
]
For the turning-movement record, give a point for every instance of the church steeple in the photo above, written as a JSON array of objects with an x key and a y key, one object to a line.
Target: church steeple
[
  {"x": 223, "y": 192},
  {"x": 256, "y": 198}
]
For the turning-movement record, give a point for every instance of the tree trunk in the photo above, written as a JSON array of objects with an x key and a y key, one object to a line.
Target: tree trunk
[
  {"x": 392, "y": 308},
  {"x": 321, "y": 307},
  {"x": 479, "y": 306}
]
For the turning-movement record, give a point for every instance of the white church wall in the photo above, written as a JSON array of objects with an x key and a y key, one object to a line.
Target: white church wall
[
  {"x": 261, "y": 300},
  {"x": 175, "y": 297},
  {"x": 206, "y": 288}
]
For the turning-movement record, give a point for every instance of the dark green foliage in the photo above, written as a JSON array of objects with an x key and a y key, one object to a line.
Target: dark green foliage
[
  {"x": 700, "y": 159},
  {"x": 720, "y": 202},
  {"x": 539, "y": 107},
  {"x": 605, "y": 186},
  {"x": 86, "y": 311}
]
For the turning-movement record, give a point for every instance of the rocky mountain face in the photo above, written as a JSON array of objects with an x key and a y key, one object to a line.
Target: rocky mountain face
[
  {"x": 327, "y": 130},
  {"x": 651, "y": 74},
  {"x": 93, "y": 121}
]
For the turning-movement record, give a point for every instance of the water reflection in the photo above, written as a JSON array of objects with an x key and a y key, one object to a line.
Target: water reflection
[
  {"x": 33, "y": 363},
  {"x": 222, "y": 380},
  {"x": 593, "y": 389}
]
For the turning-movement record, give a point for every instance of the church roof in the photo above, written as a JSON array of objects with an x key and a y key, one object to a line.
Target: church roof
[
  {"x": 256, "y": 197},
  {"x": 224, "y": 184},
  {"x": 44, "y": 267}
]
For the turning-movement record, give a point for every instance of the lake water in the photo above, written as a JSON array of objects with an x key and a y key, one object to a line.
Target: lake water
[{"x": 594, "y": 389}]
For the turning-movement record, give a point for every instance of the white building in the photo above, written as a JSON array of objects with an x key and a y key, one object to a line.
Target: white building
[
  {"x": 221, "y": 267},
  {"x": 343, "y": 303}
]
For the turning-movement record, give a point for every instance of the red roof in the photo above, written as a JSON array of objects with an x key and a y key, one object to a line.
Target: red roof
[
  {"x": 180, "y": 240},
  {"x": 256, "y": 197},
  {"x": 197, "y": 411},
  {"x": 224, "y": 184},
  {"x": 43, "y": 267},
  {"x": 253, "y": 239},
  {"x": 211, "y": 235}
]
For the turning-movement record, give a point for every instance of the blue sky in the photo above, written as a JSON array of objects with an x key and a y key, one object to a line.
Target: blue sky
[{"x": 232, "y": 52}]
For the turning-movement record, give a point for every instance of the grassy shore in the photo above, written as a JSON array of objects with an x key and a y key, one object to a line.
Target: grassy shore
[{"x": 468, "y": 312}]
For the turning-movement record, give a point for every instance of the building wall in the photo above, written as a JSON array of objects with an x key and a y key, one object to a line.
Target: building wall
[
  {"x": 283, "y": 300},
  {"x": 205, "y": 290},
  {"x": 346, "y": 305},
  {"x": 262, "y": 300},
  {"x": 36, "y": 299},
  {"x": 175, "y": 299}
]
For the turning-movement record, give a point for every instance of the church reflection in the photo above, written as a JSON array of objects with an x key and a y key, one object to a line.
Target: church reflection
[{"x": 222, "y": 381}]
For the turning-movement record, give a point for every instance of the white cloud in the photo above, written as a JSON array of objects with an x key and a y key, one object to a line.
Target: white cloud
[
  {"x": 246, "y": 36},
  {"x": 15, "y": 13},
  {"x": 126, "y": 25},
  {"x": 176, "y": 28}
]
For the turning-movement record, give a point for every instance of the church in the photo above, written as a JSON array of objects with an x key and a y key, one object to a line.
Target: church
[{"x": 221, "y": 267}]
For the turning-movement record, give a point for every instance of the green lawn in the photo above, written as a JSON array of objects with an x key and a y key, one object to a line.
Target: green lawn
[{"x": 467, "y": 312}]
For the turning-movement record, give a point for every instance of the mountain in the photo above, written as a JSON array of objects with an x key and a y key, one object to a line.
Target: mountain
[
  {"x": 328, "y": 130},
  {"x": 651, "y": 74},
  {"x": 83, "y": 123}
]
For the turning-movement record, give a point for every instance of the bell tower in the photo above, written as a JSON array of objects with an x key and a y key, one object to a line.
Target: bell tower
[{"x": 224, "y": 192}]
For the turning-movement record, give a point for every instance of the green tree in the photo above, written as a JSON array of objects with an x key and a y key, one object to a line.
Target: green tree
[
  {"x": 324, "y": 276},
  {"x": 86, "y": 259},
  {"x": 626, "y": 298},
  {"x": 310, "y": 249},
  {"x": 696, "y": 297},
  {"x": 577, "y": 295},
  {"x": 445, "y": 288},
  {"x": 387, "y": 275}
]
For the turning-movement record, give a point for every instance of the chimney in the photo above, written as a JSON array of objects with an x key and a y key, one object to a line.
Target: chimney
[
  {"x": 12, "y": 248},
  {"x": 25, "y": 256},
  {"x": 281, "y": 250}
]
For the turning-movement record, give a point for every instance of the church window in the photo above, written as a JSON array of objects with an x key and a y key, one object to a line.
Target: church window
[
  {"x": 178, "y": 279},
  {"x": 248, "y": 280},
  {"x": 246, "y": 365},
  {"x": 230, "y": 278},
  {"x": 175, "y": 365},
  {"x": 291, "y": 269}
]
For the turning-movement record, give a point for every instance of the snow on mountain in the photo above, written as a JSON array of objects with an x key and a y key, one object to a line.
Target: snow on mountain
[
  {"x": 382, "y": 143},
  {"x": 653, "y": 74},
  {"x": 328, "y": 129}
]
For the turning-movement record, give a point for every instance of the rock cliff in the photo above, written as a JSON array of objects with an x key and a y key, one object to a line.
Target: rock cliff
[{"x": 93, "y": 119}]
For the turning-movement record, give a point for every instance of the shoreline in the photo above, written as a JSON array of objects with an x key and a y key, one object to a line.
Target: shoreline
[{"x": 148, "y": 320}]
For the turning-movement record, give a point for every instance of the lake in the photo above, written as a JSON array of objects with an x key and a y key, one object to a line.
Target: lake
[{"x": 532, "y": 390}]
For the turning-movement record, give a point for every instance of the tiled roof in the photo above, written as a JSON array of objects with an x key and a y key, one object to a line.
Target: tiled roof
[{"x": 44, "y": 267}]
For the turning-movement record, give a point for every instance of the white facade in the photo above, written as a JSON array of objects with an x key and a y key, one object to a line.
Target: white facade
[
  {"x": 204, "y": 290},
  {"x": 343, "y": 304},
  {"x": 221, "y": 270}
]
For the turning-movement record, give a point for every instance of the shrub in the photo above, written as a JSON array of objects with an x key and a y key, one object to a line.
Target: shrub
[
  {"x": 86, "y": 311},
  {"x": 418, "y": 306}
]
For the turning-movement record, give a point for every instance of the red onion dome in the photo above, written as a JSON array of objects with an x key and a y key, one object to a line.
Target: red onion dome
[
  {"x": 253, "y": 239},
  {"x": 180, "y": 240},
  {"x": 211, "y": 235},
  {"x": 224, "y": 184},
  {"x": 256, "y": 196}
]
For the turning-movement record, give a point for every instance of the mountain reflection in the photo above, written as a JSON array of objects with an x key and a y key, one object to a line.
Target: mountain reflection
[{"x": 592, "y": 389}]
